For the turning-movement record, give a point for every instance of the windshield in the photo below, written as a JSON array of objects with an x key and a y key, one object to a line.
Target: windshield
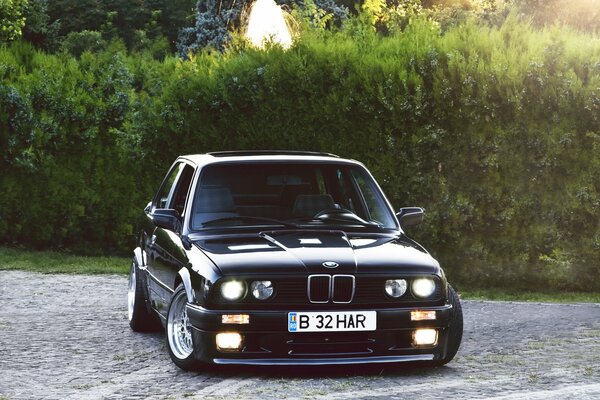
[{"x": 288, "y": 195}]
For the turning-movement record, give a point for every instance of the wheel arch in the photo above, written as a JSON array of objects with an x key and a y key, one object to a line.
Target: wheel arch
[
  {"x": 139, "y": 257},
  {"x": 183, "y": 277}
]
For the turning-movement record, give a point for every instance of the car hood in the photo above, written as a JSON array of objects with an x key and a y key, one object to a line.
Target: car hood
[{"x": 326, "y": 252}]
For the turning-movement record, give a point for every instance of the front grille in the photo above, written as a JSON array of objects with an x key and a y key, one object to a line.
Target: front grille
[
  {"x": 343, "y": 288},
  {"x": 319, "y": 288},
  {"x": 326, "y": 288}
]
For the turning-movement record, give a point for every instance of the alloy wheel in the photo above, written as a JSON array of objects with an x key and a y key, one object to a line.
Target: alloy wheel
[{"x": 179, "y": 330}]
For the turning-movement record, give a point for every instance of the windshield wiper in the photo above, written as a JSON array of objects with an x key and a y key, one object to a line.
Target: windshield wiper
[
  {"x": 250, "y": 219},
  {"x": 339, "y": 215}
]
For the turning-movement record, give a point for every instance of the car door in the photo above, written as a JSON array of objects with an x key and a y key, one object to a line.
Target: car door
[{"x": 164, "y": 249}]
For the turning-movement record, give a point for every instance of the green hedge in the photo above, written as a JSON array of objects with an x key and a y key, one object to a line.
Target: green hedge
[
  {"x": 495, "y": 131},
  {"x": 64, "y": 182}
]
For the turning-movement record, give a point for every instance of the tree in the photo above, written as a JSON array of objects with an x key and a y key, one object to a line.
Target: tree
[
  {"x": 123, "y": 18},
  {"x": 82, "y": 15},
  {"x": 12, "y": 19},
  {"x": 78, "y": 42},
  {"x": 175, "y": 14},
  {"x": 38, "y": 29},
  {"x": 211, "y": 29}
]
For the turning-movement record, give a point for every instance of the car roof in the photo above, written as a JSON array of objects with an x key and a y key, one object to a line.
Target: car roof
[{"x": 264, "y": 156}]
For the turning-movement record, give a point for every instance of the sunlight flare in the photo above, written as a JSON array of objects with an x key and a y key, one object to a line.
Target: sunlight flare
[{"x": 266, "y": 24}]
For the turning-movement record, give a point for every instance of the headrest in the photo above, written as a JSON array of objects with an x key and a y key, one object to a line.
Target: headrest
[
  {"x": 308, "y": 205},
  {"x": 214, "y": 199}
]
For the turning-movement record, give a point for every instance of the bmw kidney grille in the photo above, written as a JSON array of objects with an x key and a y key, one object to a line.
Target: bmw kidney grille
[{"x": 331, "y": 288}]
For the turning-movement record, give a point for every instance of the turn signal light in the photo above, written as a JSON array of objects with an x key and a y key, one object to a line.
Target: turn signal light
[
  {"x": 235, "y": 319},
  {"x": 418, "y": 315}
]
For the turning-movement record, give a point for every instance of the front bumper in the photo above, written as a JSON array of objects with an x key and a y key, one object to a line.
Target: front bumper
[{"x": 266, "y": 340}]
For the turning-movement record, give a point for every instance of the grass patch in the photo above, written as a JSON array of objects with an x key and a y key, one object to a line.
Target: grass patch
[
  {"x": 512, "y": 295},
  {"x": 51, "y": 262}
]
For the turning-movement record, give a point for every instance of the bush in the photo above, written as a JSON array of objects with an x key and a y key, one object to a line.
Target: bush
[
  {"x": 63, "y": 179},
  {"x": 77, "y": 42}
]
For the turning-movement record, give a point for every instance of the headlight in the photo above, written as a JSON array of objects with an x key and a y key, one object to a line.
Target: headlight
[
  {"x": 423, "y": 287},
  {"x": 233, "y": 290},
  {"x": 395, "y": 287},
  {"x": 261, "y": 290}
]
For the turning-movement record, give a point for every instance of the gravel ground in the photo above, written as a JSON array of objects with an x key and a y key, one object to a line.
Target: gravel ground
[{"x": 67, "y": 337}]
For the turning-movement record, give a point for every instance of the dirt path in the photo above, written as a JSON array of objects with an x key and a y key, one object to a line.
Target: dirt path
[{"x": 67, "y": 337}]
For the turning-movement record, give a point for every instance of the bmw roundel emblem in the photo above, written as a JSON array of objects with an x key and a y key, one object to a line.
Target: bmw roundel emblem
[{"x": 330, "y": 264}]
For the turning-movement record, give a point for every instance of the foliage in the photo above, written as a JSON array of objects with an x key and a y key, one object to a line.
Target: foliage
[
  {"x": 157, "y": 47},
  {"x": 581, "y": 15},
  {"x": 122, "y": 19},
  {"x": 12, "y": 19},
  {"x": 337, "y": 11},
  {"x": 395, "y": 15},
  {"x": 214, "y": 19},
  {"x": 59, "y": 136},
  {"x": 190, "y": 26},
  {"x": 494, "y": 129},
  {"x": 77, "y": 42},
  {"x": 38, "y": 29}
]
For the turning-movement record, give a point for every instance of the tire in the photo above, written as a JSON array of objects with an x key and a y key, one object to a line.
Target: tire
[
  {"x": 178, "y": 332},
  {"x": 141, "y": 318},
  {"x": 455, "y": 330}
]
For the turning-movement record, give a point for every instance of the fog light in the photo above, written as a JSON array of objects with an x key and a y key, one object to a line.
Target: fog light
[
  {"x": 424, "y": 337},
  {"x": 235, "y": 319},
  {"x": 229, "y": 341},
  {"x": 418, "y": 315}
]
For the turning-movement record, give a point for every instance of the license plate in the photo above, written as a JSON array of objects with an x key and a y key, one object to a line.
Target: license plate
[{"x": 332, "y": 321}]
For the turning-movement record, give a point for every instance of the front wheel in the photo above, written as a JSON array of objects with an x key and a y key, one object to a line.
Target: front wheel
[
  {"x": 455, "y": 330},
  {"x": 180, "y": 341}
]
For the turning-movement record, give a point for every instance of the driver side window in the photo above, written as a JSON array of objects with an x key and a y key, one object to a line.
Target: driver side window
[
  {"x": 374, "y": 204},
  {"x": 165, "y": 193},
  {"x": 182, "y": 188}
]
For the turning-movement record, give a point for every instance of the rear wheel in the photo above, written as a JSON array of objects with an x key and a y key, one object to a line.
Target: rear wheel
[
  {"x": 180, "y": 340},
  {"x": 141, "y": 319},
  {"x": 455, "y": 330}
]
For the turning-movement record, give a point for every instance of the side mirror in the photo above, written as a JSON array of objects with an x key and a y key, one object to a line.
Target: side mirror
[
  {"x": 167, "y": 218},
  {"x": 410, "y": 216}
]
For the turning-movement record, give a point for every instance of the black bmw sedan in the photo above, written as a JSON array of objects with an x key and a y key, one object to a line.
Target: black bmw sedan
[{"x": 286, "y": 258}]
